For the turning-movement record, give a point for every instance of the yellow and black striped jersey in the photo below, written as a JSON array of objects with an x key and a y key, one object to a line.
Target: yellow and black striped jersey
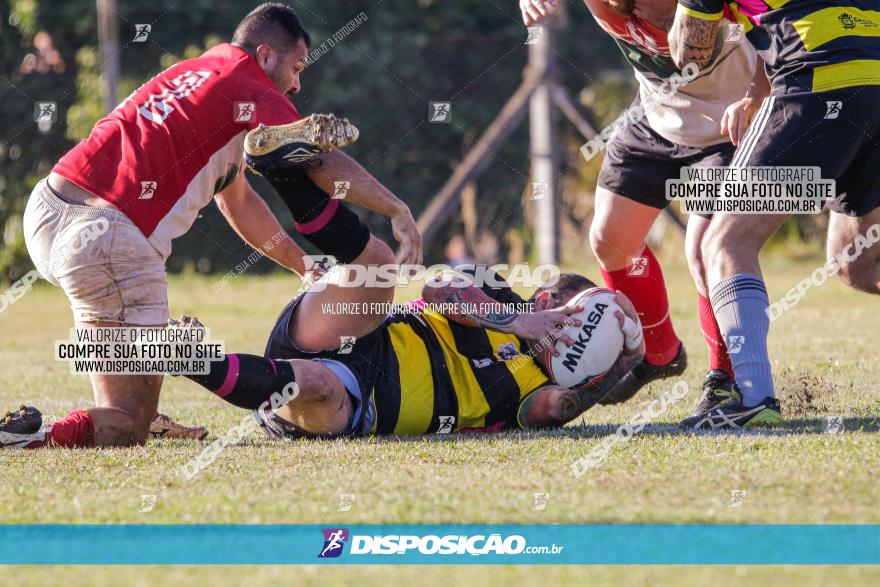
[
  {"x": 435, "y": 375},
  {"x": 808, "y": 45}
]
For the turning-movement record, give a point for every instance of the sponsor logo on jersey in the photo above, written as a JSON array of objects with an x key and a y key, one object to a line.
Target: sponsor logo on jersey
[
  {"x": 849, "y": 22},
  {"x": 507, "y": 351}
]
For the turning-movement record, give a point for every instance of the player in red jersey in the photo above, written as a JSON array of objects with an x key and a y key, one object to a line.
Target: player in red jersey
[{"x": 141, "y": 178}]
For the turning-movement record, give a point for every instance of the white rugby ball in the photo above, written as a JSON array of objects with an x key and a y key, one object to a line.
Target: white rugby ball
[{"x": 598, "y": 341}]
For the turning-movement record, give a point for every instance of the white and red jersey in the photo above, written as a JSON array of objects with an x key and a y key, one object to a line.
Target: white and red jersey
[
  {"x": 163, "y": 153},
  {"x": 691, "y": 115}
]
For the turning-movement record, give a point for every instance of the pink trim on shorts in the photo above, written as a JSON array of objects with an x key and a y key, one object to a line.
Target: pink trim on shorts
[
  {"x": 231, "y": 377},
  {"x": 497, "y": 427},
  {"x": 320, "y": 222}
]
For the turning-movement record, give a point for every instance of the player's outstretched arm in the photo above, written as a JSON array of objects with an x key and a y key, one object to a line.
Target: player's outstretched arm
[
  {"x": 464, "y": 303},
  {"x": 694, "y": 33},
  {"x": 335, "y": 170},
  {"x": 254, "y": 222}
]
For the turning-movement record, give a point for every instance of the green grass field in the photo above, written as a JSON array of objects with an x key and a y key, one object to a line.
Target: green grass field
[{"x": 824, "y": 354}]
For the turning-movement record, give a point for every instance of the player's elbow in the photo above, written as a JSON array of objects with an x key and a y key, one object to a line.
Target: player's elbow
[
  {"x": 222, "y": 205},
  {"x": 676, "y": 53},
  {"x": 693, "y": 41},
  {"x": 682, "y": 58},
  {"x": 696, "y": 63},
  {"x": 434, "y": 290},
  {"x": 229, "y": 204},
  {"x": 429, "y": 292}
]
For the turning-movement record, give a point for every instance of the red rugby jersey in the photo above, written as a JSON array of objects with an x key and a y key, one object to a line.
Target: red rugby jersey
[
  {"x": 164, "y": 152},
  {"x": 637, "y": 31}
]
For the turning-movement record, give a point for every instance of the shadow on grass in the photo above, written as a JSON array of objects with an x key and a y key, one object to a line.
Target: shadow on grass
[{"x": 792, "y": 427}]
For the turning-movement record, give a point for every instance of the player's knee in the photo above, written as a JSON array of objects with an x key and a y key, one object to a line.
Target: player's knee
[
  {"x": 861, "y": 276},
  {"x": 376, "y": 253},
  {"x": 694, "y": 255},
  {"x": 317, "y": 383},
  {"x": 121, "y": 428},
  {"x": 707, "y": 246},
  {"x": 338, "y": 232},
  {"x": 720, "y": 243},
  {"x": 325, "y": 386},
  {"x": 610, "y": 250},
  {"x": 139, "y": 427},
  {"x": 140, "y": 434}
]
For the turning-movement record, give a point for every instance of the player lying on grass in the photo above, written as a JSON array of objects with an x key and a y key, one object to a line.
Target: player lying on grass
[
  {"x": 476, "y": 367},
  {"x": 699, "y": 125},
  {"x": 823, "y": 62},
  {"x": 148, "y": 168}
]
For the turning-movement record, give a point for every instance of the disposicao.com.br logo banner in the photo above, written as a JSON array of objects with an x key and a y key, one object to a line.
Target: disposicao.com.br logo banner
[
  {"x": 430, "y": 544},
  {"x": 440, "y": 544}
]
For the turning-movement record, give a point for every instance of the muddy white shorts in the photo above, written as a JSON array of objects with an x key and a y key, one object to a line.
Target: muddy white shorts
[{"x": 102, "y": 261}]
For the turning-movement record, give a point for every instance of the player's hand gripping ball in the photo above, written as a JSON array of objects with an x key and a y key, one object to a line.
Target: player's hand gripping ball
[{"x": 599, "y": 341}]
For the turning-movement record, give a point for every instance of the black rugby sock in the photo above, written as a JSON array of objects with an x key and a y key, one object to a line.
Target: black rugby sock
[
  {"x": 248, "y": 381},
  {"x": 325, "y": 222},
  {"x": 305, "y": 200}
]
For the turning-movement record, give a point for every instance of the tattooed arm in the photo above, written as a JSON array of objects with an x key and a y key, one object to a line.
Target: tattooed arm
[
  {"x": 659, "y": 13},
  {"x": 694, "y": 37},
  {"x": 552, "y": 405},
  {"x": 462, "y": 302}
]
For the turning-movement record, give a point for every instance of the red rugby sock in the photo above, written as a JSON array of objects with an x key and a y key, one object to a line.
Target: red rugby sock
[
  {"x": 718, "y": 357},
  {"x": 75, "y": 430},
  {"x": 642, "y": 282}
]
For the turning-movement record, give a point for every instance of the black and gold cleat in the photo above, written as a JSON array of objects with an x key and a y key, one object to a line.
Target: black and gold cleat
[
  {"x": 164, "y": 427},
  {"x": 22, "y": 428},
  {"x": 268, "y": 148}
]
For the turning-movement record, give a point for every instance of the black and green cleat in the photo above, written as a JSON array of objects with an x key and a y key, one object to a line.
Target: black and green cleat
[
  {"x": 718, "y": 387},
  {"x": 732, "y": 415}
]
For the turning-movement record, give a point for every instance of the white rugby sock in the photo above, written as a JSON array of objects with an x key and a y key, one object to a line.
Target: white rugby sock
[{"x": 739, "y": 303}]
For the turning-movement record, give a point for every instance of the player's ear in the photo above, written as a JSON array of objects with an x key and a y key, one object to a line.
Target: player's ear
[
  {"x": 263, "y": 53},
  {"x": 544, "y": 301}
]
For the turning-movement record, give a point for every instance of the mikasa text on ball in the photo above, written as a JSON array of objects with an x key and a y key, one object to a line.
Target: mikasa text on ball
[{"x": 598, "y": 341}]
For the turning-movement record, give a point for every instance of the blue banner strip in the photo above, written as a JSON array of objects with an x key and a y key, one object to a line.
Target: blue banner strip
[{"x": 439, "y": 544}]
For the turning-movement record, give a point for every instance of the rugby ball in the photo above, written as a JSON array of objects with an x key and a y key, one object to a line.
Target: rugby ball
[{"x": 598, "y": 341}]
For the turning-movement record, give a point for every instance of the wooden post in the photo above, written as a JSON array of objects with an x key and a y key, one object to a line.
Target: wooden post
[
  {"x": 475, "y": 162},
  {"x": 108, "y": 37},
  {"x": 541, "y": 95},
  {"x": 544, "y": 148}
]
